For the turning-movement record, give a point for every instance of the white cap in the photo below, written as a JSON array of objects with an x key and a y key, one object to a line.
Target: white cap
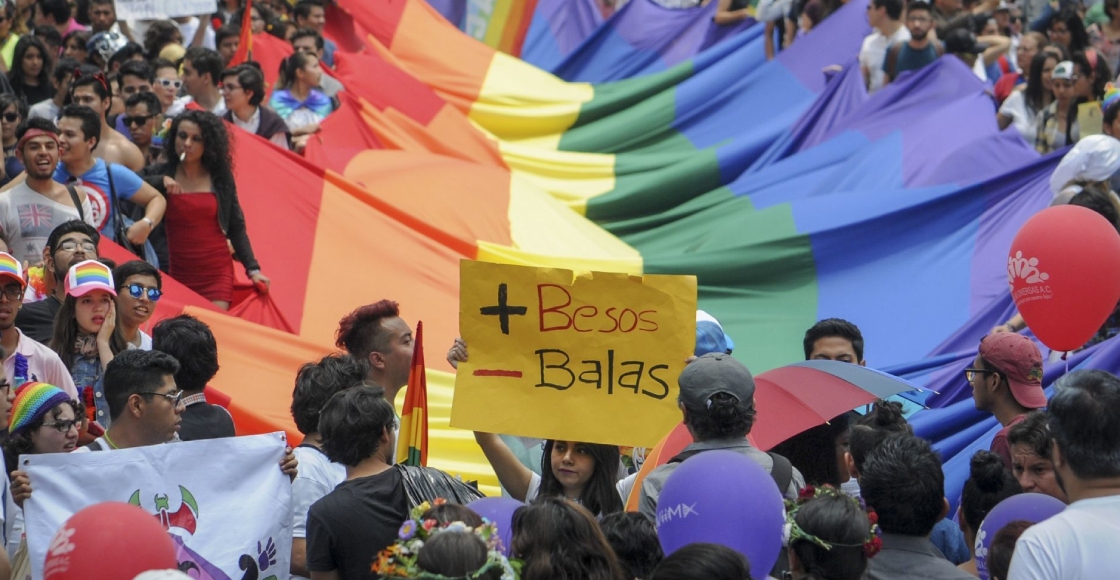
[{"x": 1093, "y": 158}]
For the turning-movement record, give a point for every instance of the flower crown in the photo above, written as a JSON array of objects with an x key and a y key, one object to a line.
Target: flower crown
[
  {"x": 399, "y": 560},
  {"x": 793, "y": 532}
]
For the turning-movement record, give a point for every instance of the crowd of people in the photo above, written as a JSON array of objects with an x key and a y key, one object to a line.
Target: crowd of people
[{"x": 123, "y": 131}]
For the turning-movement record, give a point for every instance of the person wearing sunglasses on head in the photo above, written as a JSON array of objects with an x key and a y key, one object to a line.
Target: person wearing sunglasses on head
[
  {"x": 43, "y": 419},
  {"x": 167, "y": 85},
  {"x": 139, "y": 287}
]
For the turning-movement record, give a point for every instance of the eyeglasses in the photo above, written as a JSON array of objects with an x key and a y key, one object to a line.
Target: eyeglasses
[
  {"x": 11, "y": 117},
  {"x": 136, "y": 120},
  {"x": 970, "y": 374},
  {"x": 137, "y": 291},
  {"x": 64, "y": 426},
  {"x": 228, "y": 88},
  {"x": 12, "y": 292},
  {"x": 169, "y": 83},
  {"x": 175, "y": 398},
  {"x": 71, "y": 245}
]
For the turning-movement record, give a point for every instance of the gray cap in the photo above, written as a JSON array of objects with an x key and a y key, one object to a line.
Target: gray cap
[{"x": 711, "y": 374}]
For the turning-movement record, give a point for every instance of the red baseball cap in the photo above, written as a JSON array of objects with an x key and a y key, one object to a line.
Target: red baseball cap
[{"x": 1017, "y": 358}]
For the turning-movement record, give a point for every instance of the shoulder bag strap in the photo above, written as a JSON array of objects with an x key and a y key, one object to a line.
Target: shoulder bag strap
[{"x": 77, "y": 202}]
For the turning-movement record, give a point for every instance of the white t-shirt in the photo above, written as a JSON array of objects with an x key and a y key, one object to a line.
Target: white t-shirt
[
  {"x": 874, "y": 52},
  {"x": 44, "y": 110},
  {"x": 534, "y": 488},
  {"x": 188, "y": 28},
  {"x": 1023, "y": 118},
  {"x": 28, "y": 218},
  {"x": 1079, "y": 543},
  {"x": 316, "y": 478}
]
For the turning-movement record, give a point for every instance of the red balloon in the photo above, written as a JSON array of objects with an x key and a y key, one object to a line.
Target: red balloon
[
  {"x": 1063, "y": 271},
  {"x": 116, "y": 540}
]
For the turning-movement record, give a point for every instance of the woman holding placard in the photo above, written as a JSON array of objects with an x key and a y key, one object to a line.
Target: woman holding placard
[{"x": 586, "y": 473}]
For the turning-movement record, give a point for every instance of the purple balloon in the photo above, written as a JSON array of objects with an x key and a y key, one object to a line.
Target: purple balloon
[
  {"x": 500, "y": 511},
  {"x": 1032, "y": 507},
  {"x": 723, "y": 497}
]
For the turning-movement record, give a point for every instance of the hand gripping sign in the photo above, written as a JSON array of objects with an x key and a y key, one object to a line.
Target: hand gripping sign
[{"x": 590, "y": 357}]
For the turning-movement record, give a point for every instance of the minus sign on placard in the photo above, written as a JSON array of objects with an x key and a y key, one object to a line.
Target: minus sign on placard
[{"x": 497, "y": 373}]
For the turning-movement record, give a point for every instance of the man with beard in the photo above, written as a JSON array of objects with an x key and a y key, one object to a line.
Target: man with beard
[
  {"x": 70, "y": 243},
  {"x": 917, "y": 52},
  {"x": 26, "y": 360},
  {"x": 30, "y": 210},
  {"x": 1080, "y": 542}
]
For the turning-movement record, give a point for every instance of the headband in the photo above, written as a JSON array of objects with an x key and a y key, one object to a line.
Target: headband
[{"x": 33, "y": 133}]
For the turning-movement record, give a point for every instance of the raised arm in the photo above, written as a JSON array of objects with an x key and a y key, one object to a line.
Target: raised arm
[{"x": 513, "y": 476}]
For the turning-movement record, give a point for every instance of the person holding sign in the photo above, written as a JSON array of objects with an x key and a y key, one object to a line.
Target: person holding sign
[{"x": 586, "y": 473}]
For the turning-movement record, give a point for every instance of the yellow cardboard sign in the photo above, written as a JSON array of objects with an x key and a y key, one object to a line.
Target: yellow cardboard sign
[
  {"x": 592, "y": 357},
  {"x": 1090, "y": 118}
]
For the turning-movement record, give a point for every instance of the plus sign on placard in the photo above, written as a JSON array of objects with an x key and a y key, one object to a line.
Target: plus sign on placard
[{"x": 606, "y": 347}]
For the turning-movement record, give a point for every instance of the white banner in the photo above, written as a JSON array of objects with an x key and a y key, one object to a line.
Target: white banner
[
  {"x": 160, "y": 9},
  {"x": 221, "y": 499}
]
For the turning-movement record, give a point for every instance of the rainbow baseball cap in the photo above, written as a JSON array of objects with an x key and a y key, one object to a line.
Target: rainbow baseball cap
[
  {"x": 33, "y": 400},
  {"x": 85, "y": 277},
  {"x": 12, "y": 268}
]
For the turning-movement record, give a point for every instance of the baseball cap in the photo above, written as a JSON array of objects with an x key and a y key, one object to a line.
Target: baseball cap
[
  {"x": 963, "y": 41},
  {"x": 1019, "y": 360},
  {"x": 87, "y": 276},
  {"x": 1064, "y": 70},
  {"x": 11, "y": 268},
  {"x": 710, "y": 336},
  {"x": 712, "y": 374}
]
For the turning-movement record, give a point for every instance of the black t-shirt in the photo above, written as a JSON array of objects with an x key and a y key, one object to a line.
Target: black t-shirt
[
  {"x": 349, "y": 526},
  {"x": 36, "y": 320},
  {"x": 205, "y": 421}
]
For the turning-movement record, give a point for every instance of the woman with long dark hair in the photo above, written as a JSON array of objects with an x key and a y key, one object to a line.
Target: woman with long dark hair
[
  {"x": 1025, "y": 103},
  {"x": 87, "y": 332},
  {"x": 1068, "y": 29},
  {"x": 297, "y": 98},
  {"x": 207, "y": 212},
  {"x": 556, "y": 538},
  {"x": 586, "y": 473},
  {"x": 818, "y": 453},
  {"x": 30, "y": 75}
]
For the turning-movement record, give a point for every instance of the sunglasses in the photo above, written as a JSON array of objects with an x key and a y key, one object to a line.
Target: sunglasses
[
  {"x": 136, "y": 291},
  {"x": 168, "y": 83},
  {"x": 11, "y": 117},
  {"x": 136, "y": 120}
]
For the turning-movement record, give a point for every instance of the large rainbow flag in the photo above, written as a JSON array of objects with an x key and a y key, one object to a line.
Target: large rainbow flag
[{"x": 791, "y": 193}]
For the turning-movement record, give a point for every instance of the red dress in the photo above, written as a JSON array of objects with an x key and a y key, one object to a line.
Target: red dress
[{"x": 197, "y": 245}]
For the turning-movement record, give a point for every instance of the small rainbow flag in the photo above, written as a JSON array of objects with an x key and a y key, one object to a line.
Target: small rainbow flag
[{"x": 412, "y": 446}]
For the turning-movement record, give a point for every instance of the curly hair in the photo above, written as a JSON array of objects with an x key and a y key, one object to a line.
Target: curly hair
[
  {"x": 217, "y": 158},
  {"x": 20, "y": 443},
  {"x": 160, "y": 34}
]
